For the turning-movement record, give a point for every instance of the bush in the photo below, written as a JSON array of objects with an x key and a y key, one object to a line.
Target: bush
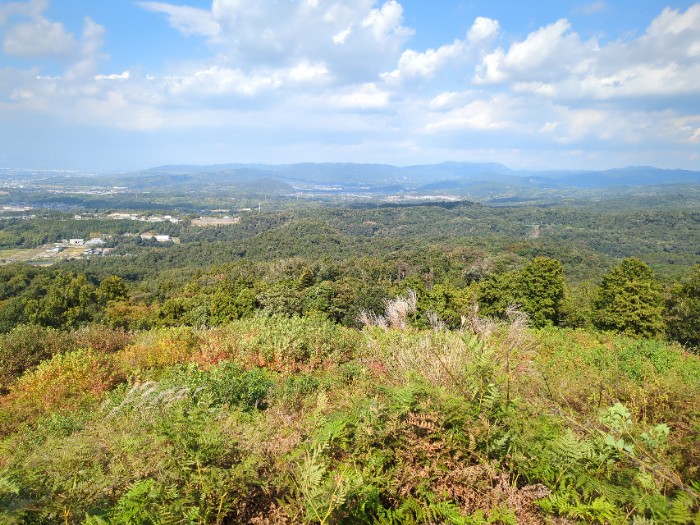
[
  {"x": 102, "y": 338},
  {"x": 226, "y": 384},
  {"x": 65, "y": 382},
  {"x": 26, "y": 346},
  {"x": 279, "y": 343},
  {"x": 159, "y": 348}
]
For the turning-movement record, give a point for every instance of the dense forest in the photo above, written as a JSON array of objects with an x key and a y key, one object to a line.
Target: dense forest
[{"x": 365, "y": 363}]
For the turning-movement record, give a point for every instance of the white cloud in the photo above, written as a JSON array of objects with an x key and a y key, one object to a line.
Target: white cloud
[
  {"x": 342, "y": 36},
  {"x": 219, "y": 81},
  {"x": 642, "y": 81},
  {"x": 114, "y": 76},
  {"x": 413, "y": 64},
  {"x": 482, "y": 114},
  {"x": 38, "y": 38},
  {"x": 90, "y": 53},
  {"x": 368, "y": 38},
  {"x": 366, "y": 96},
  {"x": 450, "y": 100},
  {"x": 307, "y": 72},
  {"x": 483, "y": 29},
  {"x": 550, "y": 52},
  {"x": 188, "y": 20},
  {"x": 31, "y": 9},
  {"x": 554, "y": 62},
  {"x": 671, "y": 21},
  {"x": 385, "y": 22}
]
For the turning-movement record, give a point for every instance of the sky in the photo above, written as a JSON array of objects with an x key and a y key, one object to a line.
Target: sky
[{"x": 124, "y": 84}]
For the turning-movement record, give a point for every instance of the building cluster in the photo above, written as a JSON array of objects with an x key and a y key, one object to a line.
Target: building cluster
[
  {"x": 143, "y": 218},
  {"x": 91, "y": 246}
]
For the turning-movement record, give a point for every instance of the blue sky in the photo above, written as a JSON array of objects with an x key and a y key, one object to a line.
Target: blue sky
[{"x": 124, "y": 84}]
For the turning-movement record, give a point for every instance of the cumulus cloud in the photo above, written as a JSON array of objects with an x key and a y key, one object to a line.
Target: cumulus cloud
[
  {"x": 114, "y": 76},
  {"x": 317, "y": 70},
  {"x": 477, "y": 114},
  {"x": 554, "y": 62},
  {"x": 413, "y": 64},
  {"x": 39, "y": 38},
  {"x": 90, "y": 52},
  {"x": 427, "y": 64},
  {"x": 550, "y": 52},
  {"x": 483, "y": 29},
  {"x": 34, "y": 36},
  {"x": 32, "y": 9},
  {"x": 385, "y": 22},
  {"x": 30, "y": 35},
  {"x": 355, "y": 40},
  {"x": 365, "y": 97},
  {"x": 342, "y": 36},
  {"x": 188, "y": 20},
  {"x": 218, "y": 81}
]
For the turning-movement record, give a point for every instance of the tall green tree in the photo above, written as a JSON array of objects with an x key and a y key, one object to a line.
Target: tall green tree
[
  {"x": 629, "y": 300},
  {"x": 537, "y": 289},
  {"x": 232, "y": 299},
  {"x": 683, "y": 313},
  {"x": 540, "y": 290},
  {"x": 496, "y": 293}
]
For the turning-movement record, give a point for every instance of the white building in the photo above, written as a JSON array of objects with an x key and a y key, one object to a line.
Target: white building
[{"x": 96, "y": 241}]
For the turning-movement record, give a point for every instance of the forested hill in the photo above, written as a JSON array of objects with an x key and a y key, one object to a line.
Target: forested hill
[
  {"x": 482, "y": 181},
  {"x": 432, "y": 176}
]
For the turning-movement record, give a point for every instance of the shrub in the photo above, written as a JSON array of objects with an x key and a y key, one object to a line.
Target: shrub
[
  {"x": 102, "y": 338},
  {"x": 279, "y": 343},
  {"x": 25, "y": 347},
  {"x": 159, "y": 348},
  {"x": 65, "y": 382},
  {"x": 629, "y": 300},
  {"x": 225, "y": 384}
]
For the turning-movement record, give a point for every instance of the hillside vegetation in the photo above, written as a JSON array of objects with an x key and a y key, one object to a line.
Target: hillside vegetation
[
  {"x": 447, "y": 363},
  {"x": 292, "y": 420}
]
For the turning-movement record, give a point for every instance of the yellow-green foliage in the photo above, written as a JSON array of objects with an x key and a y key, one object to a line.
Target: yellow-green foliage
[
  {"x": 290, "y": 420},
  {"x": 159, "y": 348},
  {"x": 283, "y": 344},
  {"x": 279, "y": 343},
  {"x": 65, "y": 382},
  {"x": 587, "y": 370}
]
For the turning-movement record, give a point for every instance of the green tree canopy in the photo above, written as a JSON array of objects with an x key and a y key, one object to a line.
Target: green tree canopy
[
  {"x": 683, "y": 316},
  {"x": 629, "y": 300},
  {"x": 538, "y": 289}
]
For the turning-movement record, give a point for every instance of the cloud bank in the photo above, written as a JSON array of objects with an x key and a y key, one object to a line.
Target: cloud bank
[{"x": 340, "y": 80}]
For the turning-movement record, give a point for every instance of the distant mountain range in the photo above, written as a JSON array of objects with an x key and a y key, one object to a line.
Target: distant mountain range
[
  {"x": 486, "y": 181},
  {"x": 382, "y": 178}
]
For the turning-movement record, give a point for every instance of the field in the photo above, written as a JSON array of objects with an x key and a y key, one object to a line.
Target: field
[{"x": 40, "y": 255}]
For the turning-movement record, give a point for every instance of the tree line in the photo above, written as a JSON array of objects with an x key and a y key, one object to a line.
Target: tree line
[{"x": 628, "y": 299}]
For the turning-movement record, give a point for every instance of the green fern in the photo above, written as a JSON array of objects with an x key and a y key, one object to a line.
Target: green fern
[
  {"x": 419, "y": 512},
  {"x": 321, "y": 491}
]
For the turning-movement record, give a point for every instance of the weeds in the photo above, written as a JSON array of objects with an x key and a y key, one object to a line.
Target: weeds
[{"x": 288, "y": 420}]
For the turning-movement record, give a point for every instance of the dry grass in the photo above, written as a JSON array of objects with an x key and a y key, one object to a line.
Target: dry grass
[{"x": 396, "y": 313}]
